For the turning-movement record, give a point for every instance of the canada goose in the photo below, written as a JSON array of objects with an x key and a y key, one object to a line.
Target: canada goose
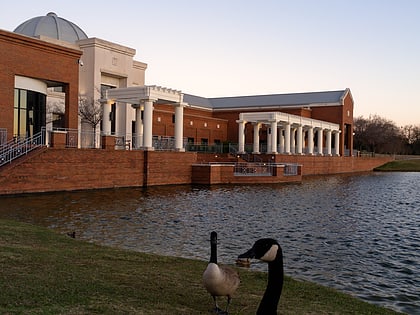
[
  {"x": 219, "y": 280},
  {"x": 269, "y": 250}
]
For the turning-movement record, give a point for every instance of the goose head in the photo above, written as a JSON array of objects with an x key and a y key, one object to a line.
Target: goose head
[
  {"x": 269, "y": 251},
  {"x": 265, "y": 249}
]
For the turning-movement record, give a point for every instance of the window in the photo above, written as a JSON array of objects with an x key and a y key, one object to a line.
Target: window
[
  {"x": 29, "y": 113},
  {"x": 58, "y": 120},
  {"x": 112, "y": 116}
]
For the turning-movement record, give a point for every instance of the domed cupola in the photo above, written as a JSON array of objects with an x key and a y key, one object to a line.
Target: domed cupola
[{"x": 51, "y": 26}]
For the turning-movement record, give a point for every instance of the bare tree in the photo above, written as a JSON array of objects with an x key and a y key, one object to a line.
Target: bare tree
[
  {"x": 90, "y": 112},
  {"x": 377, "y": 134},
  {"x": 411, "y": 134}
]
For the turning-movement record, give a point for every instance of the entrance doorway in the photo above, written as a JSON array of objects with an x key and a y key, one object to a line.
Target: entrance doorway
[{"x": 29, "y": 113}]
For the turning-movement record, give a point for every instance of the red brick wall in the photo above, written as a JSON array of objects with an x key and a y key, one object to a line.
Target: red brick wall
[
  {"x": 223, "y": 174},
  {"x": 169, "y": 167},
  {"x": 232, "y": 125},
  {"x": 51, "y": 169},
  {"x": 30, "y": 57},
  {"x": 197, "y": 124},
  {"x": 73, "y": 169},
  {"x": 315, "y": 165}
]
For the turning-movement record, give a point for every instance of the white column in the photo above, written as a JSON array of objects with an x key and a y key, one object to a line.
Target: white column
[
  {"x": 179, "y": 127},
  {"x": 241, "y": 136},
  {"x": 281, "y": 141},
  {"x": 121, "y": 120},
  {"x": 106, "y": 122},
  {"x": 299, "y": 140},
  {"x": 274, "y": 137},
  {"x": 337, "y": 142},
  {"x": 320, "y": 139},
  {"x": 139, "y": 128},
  {"x": 287, "y": 139},
  {"x": 328, "y": 144},
  {"x": 148, "y": 125},
  {"x": 311, "y": 141},
  {"x": 256, "y": 145}
]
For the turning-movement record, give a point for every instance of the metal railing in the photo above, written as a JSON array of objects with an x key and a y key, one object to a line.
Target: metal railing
[
  {"x": 253, "y": 169},
  {"x": 290, "y": 169},
  {"x": 204, "y": 148},
  {"x": 163, "y": 143},
  {"x": 264, "y": 169},
  {"x": 15, "y": 149}
]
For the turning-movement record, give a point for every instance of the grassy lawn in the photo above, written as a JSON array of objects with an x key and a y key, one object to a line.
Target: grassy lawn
[
  {"x": 401, "y": 166},
  {"x": 42, "y": 272}
]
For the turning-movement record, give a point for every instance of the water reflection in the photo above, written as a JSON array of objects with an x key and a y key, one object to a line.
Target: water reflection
[{"x": 359, "y": 234}]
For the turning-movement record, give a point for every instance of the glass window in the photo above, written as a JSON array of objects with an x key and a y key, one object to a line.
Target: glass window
[
  {"x": 29, "y": 113},
  {"x": 23, "y": 98},
  {"x": 112, "y": 117}
]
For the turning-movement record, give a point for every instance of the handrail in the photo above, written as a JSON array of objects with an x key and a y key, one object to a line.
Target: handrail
[
  {"x": 253, "y": 169},
  {"x": 15, "y": 149}
]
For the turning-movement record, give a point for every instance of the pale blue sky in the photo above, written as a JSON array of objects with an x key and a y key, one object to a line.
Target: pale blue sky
[{"x": 240, "y": 47}]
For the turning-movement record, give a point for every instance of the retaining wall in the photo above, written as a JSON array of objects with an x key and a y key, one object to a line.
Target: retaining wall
[{"x": 56, "y": 169}]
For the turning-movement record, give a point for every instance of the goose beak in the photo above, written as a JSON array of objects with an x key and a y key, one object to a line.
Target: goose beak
[{"x": 249, "y": 254}]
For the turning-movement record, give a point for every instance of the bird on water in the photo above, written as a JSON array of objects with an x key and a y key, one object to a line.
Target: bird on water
[
  {"x": 219, "y": 280},
  {"x": 269, "y": 251}
]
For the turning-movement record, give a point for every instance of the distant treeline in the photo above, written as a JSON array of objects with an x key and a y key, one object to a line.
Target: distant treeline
[{"x": 380, "y": 135}]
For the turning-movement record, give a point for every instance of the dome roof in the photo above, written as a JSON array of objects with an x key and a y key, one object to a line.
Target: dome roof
[{"x": 52, "y": 26}]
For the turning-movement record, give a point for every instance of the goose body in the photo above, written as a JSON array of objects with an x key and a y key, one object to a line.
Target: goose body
[
  {"x": 269, "y": 251},
  {"x": 219, "y": 280}
]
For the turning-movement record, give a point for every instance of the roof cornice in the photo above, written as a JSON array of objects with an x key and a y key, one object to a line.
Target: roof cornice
[{"x": 38, "y": 43}]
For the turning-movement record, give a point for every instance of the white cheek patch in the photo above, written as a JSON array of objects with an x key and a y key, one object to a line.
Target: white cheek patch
[{"x": 271, "y": 254}]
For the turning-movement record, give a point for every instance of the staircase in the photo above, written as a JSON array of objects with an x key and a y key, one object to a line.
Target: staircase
[{"x": 16, "y": 148}]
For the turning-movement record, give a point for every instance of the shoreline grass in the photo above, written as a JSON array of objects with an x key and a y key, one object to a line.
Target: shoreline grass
[
  {"x": 43, "y": 272},
  {"x": 411, "y": 165}
]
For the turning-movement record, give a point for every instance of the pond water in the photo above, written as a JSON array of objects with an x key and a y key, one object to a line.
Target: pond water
[{"x": 356, "y": 233}]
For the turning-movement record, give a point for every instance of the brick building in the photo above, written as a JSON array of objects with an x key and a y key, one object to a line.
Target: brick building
[{"x": 46, "y": 72}]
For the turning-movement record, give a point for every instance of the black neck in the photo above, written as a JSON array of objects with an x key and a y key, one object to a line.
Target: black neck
[
  {"x": 213, "y": 252},
  {"x": 270, "y": 300}
]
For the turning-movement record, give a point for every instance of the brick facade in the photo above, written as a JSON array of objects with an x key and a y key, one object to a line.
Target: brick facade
[
  {"x": 51, "y": 169},
  {"x": 198, "y": 124},
  {"x": 33, "y": 58}
]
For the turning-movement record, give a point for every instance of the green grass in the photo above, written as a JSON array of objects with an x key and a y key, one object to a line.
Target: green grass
[
  {"x": 412, "y": 165},
  {"x": 42, "y": 272}
]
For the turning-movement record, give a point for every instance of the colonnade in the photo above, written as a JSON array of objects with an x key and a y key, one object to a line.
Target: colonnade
[
  {"x": 286, "y": 133},
  {"x": 142, "y": 99},
  {"x": 290, "y": 134}
]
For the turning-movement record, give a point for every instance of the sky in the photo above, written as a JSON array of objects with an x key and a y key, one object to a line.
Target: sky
[{"x": 241, "y": 47}]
